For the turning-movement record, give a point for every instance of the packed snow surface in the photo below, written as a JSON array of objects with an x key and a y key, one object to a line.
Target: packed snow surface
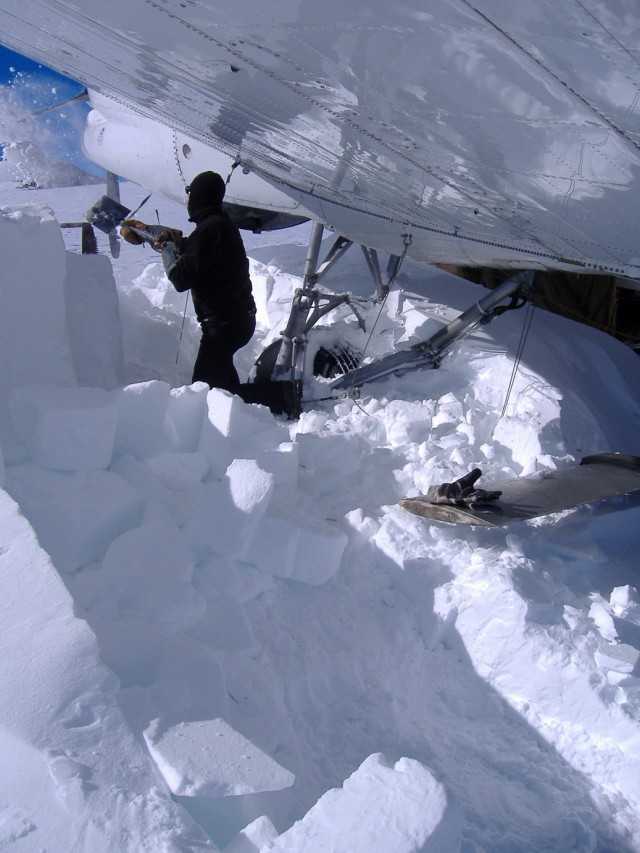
[{"x": 220, "y": 631}]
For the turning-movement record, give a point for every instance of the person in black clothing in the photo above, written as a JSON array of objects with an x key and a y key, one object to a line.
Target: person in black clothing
[{"x": 212, "y": 263}]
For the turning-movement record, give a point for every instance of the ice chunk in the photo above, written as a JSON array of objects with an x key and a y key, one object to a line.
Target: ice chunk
[
  {"x": 344, "y": 453},
  {"x": 448, "y": 411},
  {"x": 601, "y": 615},
  {"x": 388, "y": 808},
  {"x": 208, "y": 758},
  {"x": 406, "y": 421},
  {"x": 233, "y": 428},
  {"x": 619, "y": 657},
  {"x": 68, "y": 429},
  {"x": 625, "y": 601}
]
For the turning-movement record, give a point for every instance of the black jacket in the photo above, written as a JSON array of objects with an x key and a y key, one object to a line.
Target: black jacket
[{"x": 213, "y": 264}]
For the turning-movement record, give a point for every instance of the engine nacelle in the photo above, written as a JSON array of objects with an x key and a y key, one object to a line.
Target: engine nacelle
[{"x": 165, "y": 161}]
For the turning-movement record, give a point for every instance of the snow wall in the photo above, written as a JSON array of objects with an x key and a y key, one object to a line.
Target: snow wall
[{"x": 59, "y": 319}]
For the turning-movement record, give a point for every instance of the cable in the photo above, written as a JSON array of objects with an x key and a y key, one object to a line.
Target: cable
[
  {"x": 406, "y": 239},
  {"x": 184, "y": 317},
  {"x": 516, "y": 364}
]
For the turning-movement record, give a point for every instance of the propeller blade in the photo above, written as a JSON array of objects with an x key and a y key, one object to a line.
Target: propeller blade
[{"x": 78, "y": 99}]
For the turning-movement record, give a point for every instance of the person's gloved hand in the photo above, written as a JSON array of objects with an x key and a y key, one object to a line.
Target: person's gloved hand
[
  {"x": 130, "y": 236},
  {"x": 461, "y": 492},
  {"x": 168, "y": 235}
]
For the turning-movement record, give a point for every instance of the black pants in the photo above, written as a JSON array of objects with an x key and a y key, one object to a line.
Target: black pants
[{"x": 220, "y": 340}]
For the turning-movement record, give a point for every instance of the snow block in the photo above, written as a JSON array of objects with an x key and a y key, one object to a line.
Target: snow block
[
  {"x": 275, "y": 547},
  {"x": 215, "y": 447},
  {"x": 293, "y": 544},
  {"x": 143, "y": 430},
  {"x": 224, "y": 624},
  {"x": 171, "y": 492},
  {"x": 231, "y": 511},
  {"x": 254, "y": 837},
  {"x": 344, "y": 453},
  {"x": 388, "y": 808},
  {"x": 208, "y": 758},
  {"x": 67, "y": 429},
  {"x": 186, "y": 412},
  {"x": 75, "y": 515},
  {"x": 184, "y": 682},
  {"x": 179, "y": 472},
  {"x": 319, "y": 550},
  {"x": 233, "y": 418},
  {"x": 239, "y": 580},
  {"x": 146, "y": 575},
  {"x": 93, "y": 321},
  {"x": 282, "y": 462},
  {"x": 32, "y": 297},
  {"x": 251, "y": 487},
  {"x": 232, "y": 428}
]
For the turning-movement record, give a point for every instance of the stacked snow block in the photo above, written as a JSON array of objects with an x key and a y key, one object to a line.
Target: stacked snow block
[
  {"x": 93, "y": 462},
  {"x": 294, "y": 544},
  {"x": 230, "y": 511},
  {"x": 66, "y": 429}
]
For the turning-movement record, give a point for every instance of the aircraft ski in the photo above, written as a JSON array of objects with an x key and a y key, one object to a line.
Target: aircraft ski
[{"x": 595, "y": 478}]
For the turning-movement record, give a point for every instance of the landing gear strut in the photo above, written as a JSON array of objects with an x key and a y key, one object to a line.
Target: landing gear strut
[
  {"x": 431, "y": 352},
  {"x": 278, "y": 374},
  {"x": 283, "y": 362}
]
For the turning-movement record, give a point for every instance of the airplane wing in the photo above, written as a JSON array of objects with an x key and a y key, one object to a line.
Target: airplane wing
[{"x": 475, "y": 132}]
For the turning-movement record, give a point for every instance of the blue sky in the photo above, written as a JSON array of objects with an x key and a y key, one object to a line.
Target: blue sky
[{"x": 34, "y": 86}]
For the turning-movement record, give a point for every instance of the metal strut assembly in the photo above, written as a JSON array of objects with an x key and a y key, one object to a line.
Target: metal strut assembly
[
  {"x": 309, "y": 305},
  {"x": 382, "y": 280},
  {"x": 429, "y": 353}
]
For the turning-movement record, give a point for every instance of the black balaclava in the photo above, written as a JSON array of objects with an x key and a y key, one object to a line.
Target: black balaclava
[{"x": 206, "y": 190}]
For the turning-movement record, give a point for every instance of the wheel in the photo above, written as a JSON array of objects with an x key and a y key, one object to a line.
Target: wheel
[
  {"x": 334, "y": 360},
  {"x": 330, "y": 360}
]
